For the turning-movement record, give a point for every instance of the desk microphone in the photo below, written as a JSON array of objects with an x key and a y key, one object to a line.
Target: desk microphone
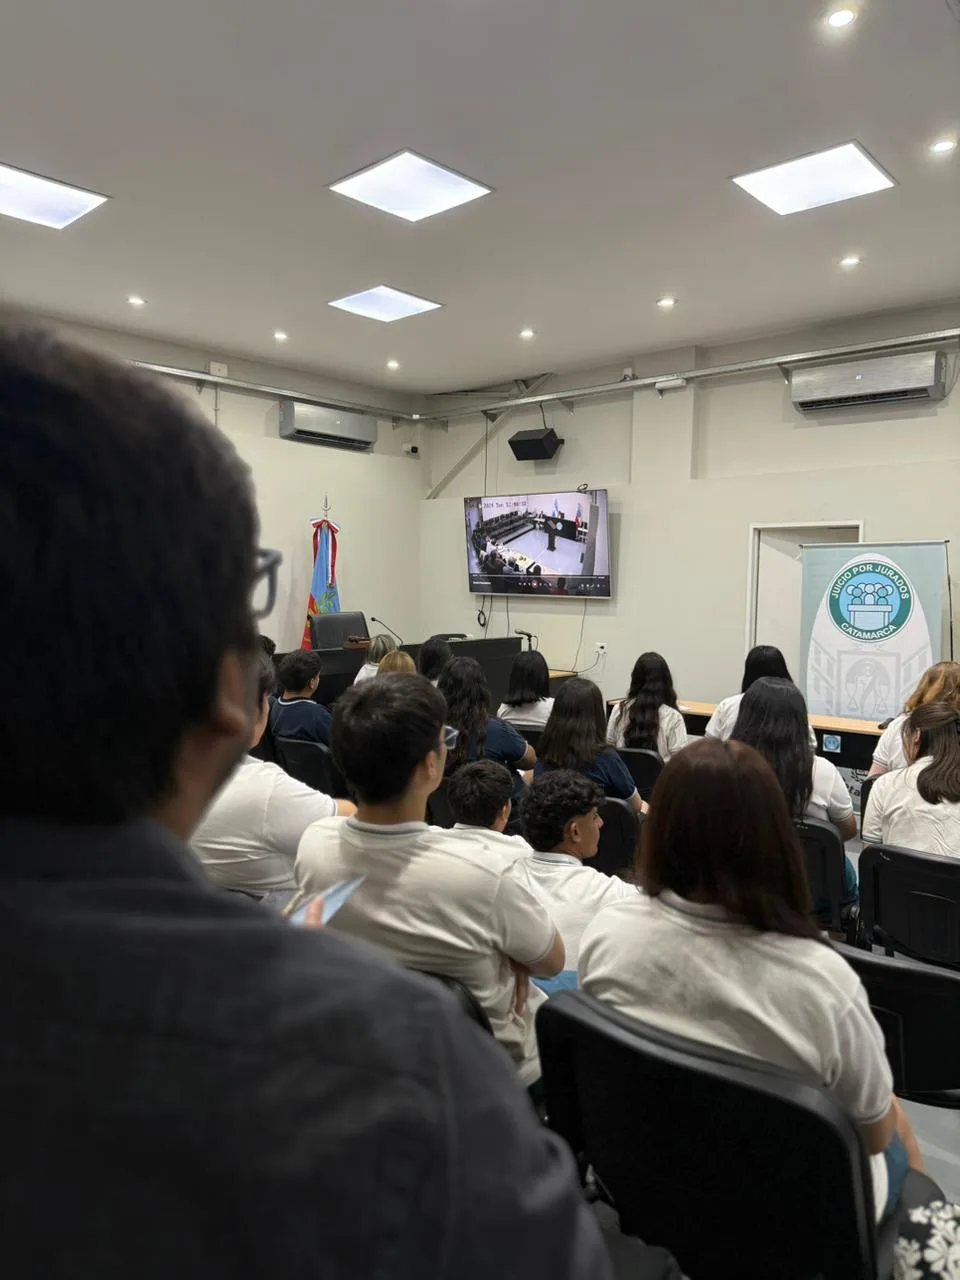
[
  {"x": 518, "y": 632},
  {"x": 389, "y": 628}
]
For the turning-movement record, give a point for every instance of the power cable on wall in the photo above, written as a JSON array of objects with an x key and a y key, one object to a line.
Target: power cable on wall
[{"x": 583, "y": 619}]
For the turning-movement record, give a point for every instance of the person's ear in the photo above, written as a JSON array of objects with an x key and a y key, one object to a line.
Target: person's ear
[{"x": 571, "y": 832}]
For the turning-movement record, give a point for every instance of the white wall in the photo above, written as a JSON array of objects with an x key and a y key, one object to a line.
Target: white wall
[
  {"x": 374, "y": 497},
  {"x": 687, "y": 475}
]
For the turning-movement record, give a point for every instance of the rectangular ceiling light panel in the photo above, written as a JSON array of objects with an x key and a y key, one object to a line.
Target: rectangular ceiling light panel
[
  {"x": 384, "y": 303},
  {"x": 410, "y": 187},
  {"x": 43, "y": 201},
  {"x": 824, "y": 178}
]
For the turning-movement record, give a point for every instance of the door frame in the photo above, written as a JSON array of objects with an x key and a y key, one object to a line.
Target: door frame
[{"x": 753, "y": 560}]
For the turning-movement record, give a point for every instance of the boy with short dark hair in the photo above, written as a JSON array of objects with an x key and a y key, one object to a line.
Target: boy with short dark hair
[
  {"x": 480, "y": 796},
  {"x": 434, "y": 899},
  {"x": 561, "y": 821},
  {"x": 295, "y": 714}
]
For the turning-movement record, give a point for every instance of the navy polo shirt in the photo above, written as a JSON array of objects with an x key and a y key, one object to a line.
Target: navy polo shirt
[
  {"x": 608, "y": 771},
  {"x": 301, "y": 718}
]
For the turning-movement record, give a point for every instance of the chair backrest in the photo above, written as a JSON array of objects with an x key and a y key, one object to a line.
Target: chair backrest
[
  {"x": 910, "y": 902},
  {"x": 825, "y": 859},
  {"x": 311, "y": 763},
  {"x": 738, "y": 1168},
  {"x": 530, "y": 732},
  {"x": 333, "y": 630},
  {"x": 467, "y": 1001},
  {"x": 866, "y": 786},
  {"x": 918, "y": 1009},
  {"x": 645, "y": 768},
  {"x": 438, "y": 807},
  {"x": 618, "y": 839}
]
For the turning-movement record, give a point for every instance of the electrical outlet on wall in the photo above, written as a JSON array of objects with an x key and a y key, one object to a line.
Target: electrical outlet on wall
[{"x": 601, "y": 648}]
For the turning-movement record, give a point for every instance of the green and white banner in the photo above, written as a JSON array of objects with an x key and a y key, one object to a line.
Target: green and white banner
[{"x": 872, "y": 619}]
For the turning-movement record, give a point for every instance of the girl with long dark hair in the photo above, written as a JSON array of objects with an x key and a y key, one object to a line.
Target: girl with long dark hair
[
  {"x": 576, "y": 738},
  {"x": 528, "y": 696},
  {"x": 648, "y": 717},
  {"x": 763, "y": 661},
  {"x": 721, "y": 948},
  {"x": 464, "y": 686},
  {"x": 773, "y": 719},
  {"x": 919, "y": 807}
]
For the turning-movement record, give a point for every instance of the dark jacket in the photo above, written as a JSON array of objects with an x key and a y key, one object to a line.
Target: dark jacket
[{"x": 191, "y": 1088}]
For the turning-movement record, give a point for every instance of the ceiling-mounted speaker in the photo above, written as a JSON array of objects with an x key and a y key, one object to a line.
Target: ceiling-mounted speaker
[{"x": 537, "y": 445}]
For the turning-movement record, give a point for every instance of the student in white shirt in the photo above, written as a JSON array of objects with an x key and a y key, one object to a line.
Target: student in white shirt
[
  {"x": 249, "y": 836},
  {"x": 377, "y": 650},
  {"x": 561, "y": 823},
  {"x": 773, "y": 719},
  {"x": 435, "y": 900},
  {"x": 919, "y": 807},
  {"x": 939, "y": 683},
  {"x": 528, "y": 696},
  {"x": 721, "y": 948},
  {"x": 763, "y": 661},
  {"x": 648, "y": 717},
  {"x": 480, "y": 797}
]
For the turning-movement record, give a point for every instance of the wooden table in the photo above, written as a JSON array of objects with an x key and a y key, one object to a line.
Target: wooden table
[
  {"x": 557, "y": 678},
  {"x": 851, "y": 743}
]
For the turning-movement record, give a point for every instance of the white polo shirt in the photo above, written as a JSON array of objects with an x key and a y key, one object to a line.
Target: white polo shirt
[
  {"x": 534, "y": 715},
  {"x": 497, "y": 843},
  {"x": 572, "y": 892},
  {"x": 249, "y": 836},
  {"x": 898, "y": 814},
  {"x": 830, "y": 798},
  {"x": 671, "y": 734},
  {"x": 439, "y": 901},
  {"x": 687, "y": 969},
  {"x": 366, "y": 672},
  {"x": 721, "y": 723},
  {"x": 890, "y": 753}
]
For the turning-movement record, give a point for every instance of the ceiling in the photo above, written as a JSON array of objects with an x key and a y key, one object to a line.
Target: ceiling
[{"x": 609, "y": 131}]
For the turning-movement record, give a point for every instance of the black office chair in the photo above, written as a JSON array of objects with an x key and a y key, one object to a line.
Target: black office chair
[
  {"x": 645, "y": 768},
  {"x": 918, "y": 1009},
  {"x": 742, "y": 1170},
  {"x": 467, "y": 1001},
  {"x": 311, "y": 763},
  {"x": 825, "y": 859},
  {"x": 618, "y": 839},
  {"x": 333, "y": 630},
  {"x": 438, "y": 807},
  {"x": 910, "y": 902},
  {"x": 529, "y": 732},
  {"x": 865, "y": 788}
]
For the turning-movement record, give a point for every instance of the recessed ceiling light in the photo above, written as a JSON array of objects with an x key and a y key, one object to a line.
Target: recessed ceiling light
[
  {"x": 136, "y": 301},
  {"x": 43, "y": 201},
  {"x": 842, "y": 17},
  {"x": 384, "y": 303},
  {"x": 851, "y": 260},
  {"x": 666, "y": 302},
  {"x": 279, "y": 335},
  {"x": 827, "y": 177},
  {"x": 527, "y": 334},
  {"x": 393, "y": 365},
  {"x": 943, "y": 146},
  {"x": 410, "y": 187}
]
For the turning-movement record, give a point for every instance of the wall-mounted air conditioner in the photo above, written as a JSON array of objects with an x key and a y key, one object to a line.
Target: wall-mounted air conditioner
[
  {"x": 914, "y": 376},
  {"x": 335, "y": 428}
]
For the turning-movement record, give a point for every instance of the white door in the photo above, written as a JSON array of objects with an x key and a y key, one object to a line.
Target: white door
[{"x": 776, "y": 578}]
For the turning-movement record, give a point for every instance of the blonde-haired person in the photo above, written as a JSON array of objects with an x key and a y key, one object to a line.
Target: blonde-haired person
[
  {"x": 377, "y": 650},
  {"x": 397, "y": 663},
  {"x": 939, "y": 683},
  {"x": 919, "y": 807}
]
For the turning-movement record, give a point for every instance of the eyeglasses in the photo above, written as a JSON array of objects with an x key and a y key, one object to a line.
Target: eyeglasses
[
  {"x": 263, "y": 594},
  {"x": 450, "y": 736}
]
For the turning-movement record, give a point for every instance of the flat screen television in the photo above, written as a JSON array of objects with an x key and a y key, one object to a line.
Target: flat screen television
[{"x": 539, "y": 544}]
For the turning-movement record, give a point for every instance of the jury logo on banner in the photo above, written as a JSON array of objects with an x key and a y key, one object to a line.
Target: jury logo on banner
[
  {"x": 870, "y": 601},
  {"x": 870, "y": 641}
]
